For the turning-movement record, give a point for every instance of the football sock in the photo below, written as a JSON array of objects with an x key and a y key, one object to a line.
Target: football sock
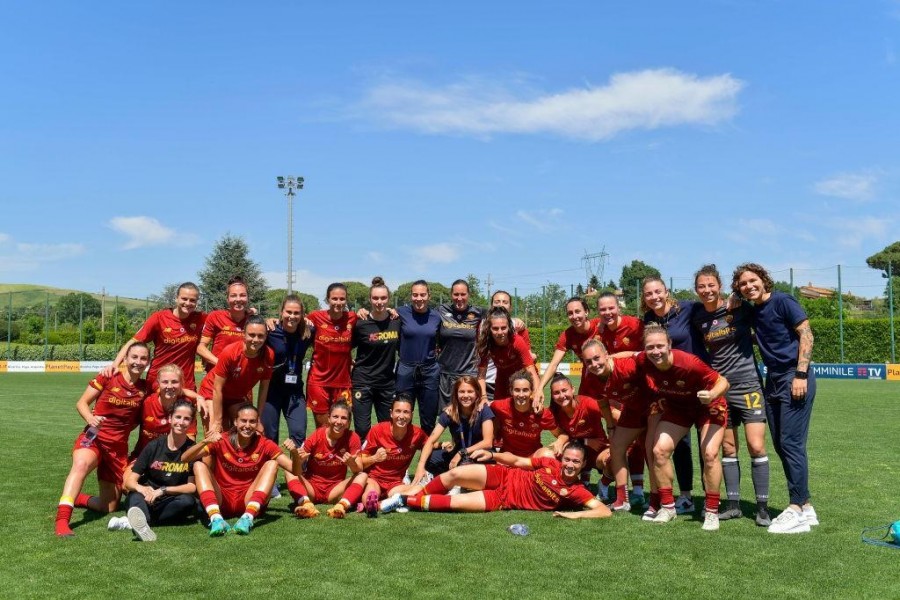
[
  {"x": 352, "y": 495},
  {"x": 63, "y": 514},
  {"x": 430, "y": 503},
  {"x": 435, "y": 486},
  {"x": 712, "y": 502},
  {"x": 82, "y": 500},
  {"x": 666, "y": 498},
  {"x": 210, "y": 504},
  {"x": 297, "y": 490},
  {"x": 257, "y": 500},
  {"x": 759, "y": 472},
  {"x": 621, "y": 494},
  {"x": 731, "y": 471}
]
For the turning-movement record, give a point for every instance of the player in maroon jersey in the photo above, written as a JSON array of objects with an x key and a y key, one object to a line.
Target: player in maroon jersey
[
  {"x": 514, "y": 483},
  {"x": 241, "y": 474},
  {"x": 328, "y": 453},
  {"x": 499, "y": 342},
  {"x": 329, "y": 376},
  {"x": 240, "y": 368},
  {"x": 618, "y": 332},
  {"x": 686, "y": 392},
  {"x": 517, "y": 427},
  {"x": 224, "y": 327},
  {"x": 581, "y": 328},
  {"x": 174, "y": 333},
  {"x": 103, "y": 445},
  {"x": 389, "y": 450}
]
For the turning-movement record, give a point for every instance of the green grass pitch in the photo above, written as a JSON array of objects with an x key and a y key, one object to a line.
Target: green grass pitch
[{"x": 853, "y": 450}]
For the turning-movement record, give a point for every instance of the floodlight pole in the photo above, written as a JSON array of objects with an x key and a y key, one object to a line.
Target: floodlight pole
[{"x": 290, "y": 184}]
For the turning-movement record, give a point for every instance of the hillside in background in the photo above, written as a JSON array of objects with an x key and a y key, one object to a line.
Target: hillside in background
[{"x": 24, "y": 295}]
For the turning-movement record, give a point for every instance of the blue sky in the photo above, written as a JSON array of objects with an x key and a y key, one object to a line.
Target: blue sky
[{"x": 489, "y": 138}]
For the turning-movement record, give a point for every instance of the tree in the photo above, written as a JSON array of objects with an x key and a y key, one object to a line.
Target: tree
[
  {"x": 439, "y": 293},
  {"x": 69, "y": 307},
  {"x": 476, "y": 295},
  {"x": 885, "y": 260},
  {"x": 593, "y": 283},
  {"x": 632, "y": 275},
  {"x": 166, "y": 298},
  {"x": 275, "y": 297},
  {"x": 357, "y": 294},
  {"x": 230, "y": 257},
  {"x": 579, "y": 290}
]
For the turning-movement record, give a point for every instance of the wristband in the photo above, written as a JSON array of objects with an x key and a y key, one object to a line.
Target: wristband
[{"x": 801, "y": 375}]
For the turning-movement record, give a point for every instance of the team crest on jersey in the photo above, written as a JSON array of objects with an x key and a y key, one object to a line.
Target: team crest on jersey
[
  {"x": 470, "y": 316},
  {"x": 319, "y": 456},
  {"x": 167, "y": 330},
  {"x": 729, "y": 319},
  {"x": 226, "y": 328},
  {"x": 679, "y": 383},
  {"x": 193, "y": 326},
  {"x": 626, "y": 386},
  {"x": 563, "y": 491},
  {"x": 626, "y": 340},
  {"x": 259, "y": 369},
  {"x": 581, "y": 421},
  {"x": 227, "y": 455},
  {"x": 254, "y": 457},
  {"x": 548, "y": 470}
]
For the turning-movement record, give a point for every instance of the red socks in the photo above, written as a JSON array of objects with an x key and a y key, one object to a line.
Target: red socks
[
  {"x": 209, "y": 502},
  {"x": 436, "y": 486},
  {"x": 81, "y": 500},
  {"x": 296, "y": 489},
  {"x": 352, "y": 495},
  {"x": 257, "y": 501},
  {"x": 63, "y": 514},
  {"x": 666, "y": 498},
  {"x": 429, "y": 503},
  {"x": 712, "y": 502},
  {"x": 621, "y": 494}
]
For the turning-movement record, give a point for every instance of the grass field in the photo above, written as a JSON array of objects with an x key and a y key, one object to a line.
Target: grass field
[{"x": 853, "y": 449}]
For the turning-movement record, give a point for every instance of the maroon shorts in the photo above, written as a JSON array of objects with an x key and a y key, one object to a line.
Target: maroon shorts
[
  {"x": 695, "y": 413},
  {"x": 385, "y": 486},
  {"x": 321, "y": 489},
  {"x": 112, "y": 458},
  {"x": 321, "y": 397}
]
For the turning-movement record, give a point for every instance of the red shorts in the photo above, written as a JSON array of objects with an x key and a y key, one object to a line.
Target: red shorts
[
  {"x": 385, "y": 486},
  {"x": 633, "y": 417},
  {"x": 112, "y": 458},
  {"x": 493, "y": 487},
  {"x": 319, "y": 398},
  {"x": 321, "y": 489},
  {"x": 693, "y": 414}
]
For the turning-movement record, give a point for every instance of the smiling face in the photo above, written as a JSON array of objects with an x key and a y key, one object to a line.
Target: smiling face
[
  {"x": 577, "y": 315},
  {"x": 338, "y": 420},
  {"x": 378, "y": 299},
  {"x": 466, "y": 395},
  {"x": 169, "y": 381},
  {"x": 707, "y": 288},
  {"x": 419, "y": 297},
  {"x": 460, "y": 294},
  {"x": 608, "y": 309},
  {"x": 401, "y": 414},
  {"x": 521, "y": 394},
  {"x": 337, "y": 301},
  {"x": 752, "y": 288},
  {"x": 291, "y": 315},
  {"x": 658, "y": 349},
  {"x": 136, "y": 360},
  {"x": 254, "y": 338},
  {"x": 186, "y": 301},
  {"x": 237, "y": 297},
  {"x": 502, "y": 300},
  {"x": 595, "y": 361},
  {"x": 656, "y": 296},
  {"x": 246, "y": 422},
  {"x": 562, "y": 393},
  {"x": 181, "y": 420},
  {"x": 572, "y": 463}
]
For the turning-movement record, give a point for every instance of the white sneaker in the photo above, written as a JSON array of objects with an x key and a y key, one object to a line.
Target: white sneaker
[
  {"x": 138, "y": 521},
  {"x": 455, "y": 491},
  {"x": 392, "y": 503},
  {"x": 649, "y": 514},
  {"x": 406, "y": 479},
  {"x": 426, "y": 479},
  {"x": 789, "y": 521},
  {"x": 665, "y": 515},
  {"x": 684, "y": 505},
  {"x": 809, "y": 513},
  {"x": 118, "y": 524},
  {"x": 623, "y": 508},
  {"x": 711, "y": 522}
]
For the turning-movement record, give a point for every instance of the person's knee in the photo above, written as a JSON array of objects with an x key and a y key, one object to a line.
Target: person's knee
[
  {"x": 662, "y": 452},
  {"x": 710, "y": 455}
]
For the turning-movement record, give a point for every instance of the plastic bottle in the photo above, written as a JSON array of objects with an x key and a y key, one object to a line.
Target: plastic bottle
[
  {"x": 518, "y": 529},
  {"x": 90, "y": 434}
]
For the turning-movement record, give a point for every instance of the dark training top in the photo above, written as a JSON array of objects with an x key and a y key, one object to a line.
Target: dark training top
[
  {"x": 418, "y": 334},
  {"x": 376, "y": 344},
  {"x": 678, "y": 324},
  {"x": 729, "y": 342},
  {"x": 458, "y": 336},
  {"x": 289, "y": 351},
  {"x": 775, "y": 321},
  {"x": 157, "y": 466},
  {"x": 463, "y": 434}
]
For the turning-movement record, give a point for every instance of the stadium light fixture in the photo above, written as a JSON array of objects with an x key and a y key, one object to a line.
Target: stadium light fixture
[{"x": 290, "y": 184}]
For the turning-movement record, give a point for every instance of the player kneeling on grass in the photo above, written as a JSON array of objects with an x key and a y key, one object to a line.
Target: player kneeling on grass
[
  {"x": 103, "y": 445},
  {"x": 327, "y": 454},
  {"x": 241, "y": 473},
  {"x": 389, "y": 450},
  {"x": 514, "y": 483},
  {"x": 160, "y": 485}
]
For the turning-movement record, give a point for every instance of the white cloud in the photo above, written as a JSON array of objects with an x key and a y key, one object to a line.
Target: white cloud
[
  {"x": 312, "y": 283},
  {"x": 749, "y": 231},
  {"x": 375, "y": 257},
  {"x": 441, "y": 253},
  {"x": 147, "y": 231},
  {"x": 647, "y": 99},
  {"x": 543, "y": 220},
  {"x": 850, "y": 186},
  {"x": 851, "y": 233},
  {"x": 23, "y": 257}
]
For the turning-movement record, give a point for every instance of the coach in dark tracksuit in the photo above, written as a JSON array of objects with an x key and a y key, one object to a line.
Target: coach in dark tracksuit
[{"x": 785, "y": 343}]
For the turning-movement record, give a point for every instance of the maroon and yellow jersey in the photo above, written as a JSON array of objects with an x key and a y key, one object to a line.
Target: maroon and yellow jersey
[
  {"x": 155, "y": 422},
  {"x": 627, "y": 337},
  {"x": 508, "y": 359},
  {"x": 241, "y": 373},
  {"x": 236, "y": 467},
  {"x": 331, "y": 349},
  {"x": 325, "y": 460},
  {"x": 223, "y": 330},
  {"x": 399, "y": 453},
  {"x": 624, "y": 386},
  {"x": 174, "y": 341},
  {"x": 585, "y": 423},
  {"x": 570, "y": 339},
  {"x": 520, "y": 432},
  {"x": 120, "y": 404},
  {"x": 542, "y": 489},
  {"x": 681, "y": 382}
]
